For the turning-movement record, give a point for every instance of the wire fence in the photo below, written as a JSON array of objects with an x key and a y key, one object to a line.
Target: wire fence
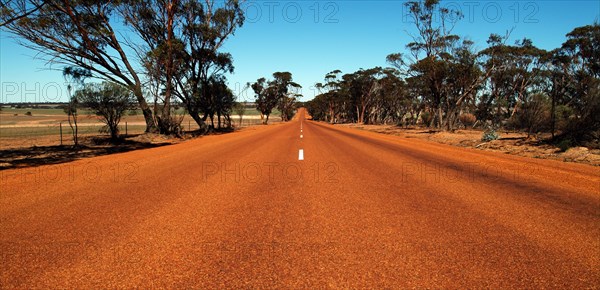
[{"x": 61, "y": 133}]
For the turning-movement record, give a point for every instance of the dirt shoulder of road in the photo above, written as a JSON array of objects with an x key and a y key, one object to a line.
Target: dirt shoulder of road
[
  {"x": 44, "y": 150},
  {"x": 514, "y": 143}
]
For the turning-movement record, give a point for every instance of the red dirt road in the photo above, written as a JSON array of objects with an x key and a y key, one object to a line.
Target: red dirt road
[{"x": 361, "y": 210}]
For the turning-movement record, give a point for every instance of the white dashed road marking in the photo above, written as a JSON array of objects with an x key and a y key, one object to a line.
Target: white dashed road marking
[{"x": 301, "y": 154}]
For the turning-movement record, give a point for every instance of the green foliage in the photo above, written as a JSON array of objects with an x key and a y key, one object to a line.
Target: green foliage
[
  {"x": 79, "y": 34},
  {"x": 426, "y": 118},
  {"x": 108, "y": 100},
  {"x": 563, "y": 114},
  {"x": 534, "y": 114},
  {"x": 489, "y": 135},
  {"x": 565, "y": 144},
  {"x": 281, "y": 92}
]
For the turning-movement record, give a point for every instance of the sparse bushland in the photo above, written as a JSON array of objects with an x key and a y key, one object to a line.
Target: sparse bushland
[
  {"x": 177, "y": 43},
  {"x": 445, "y": 83}
]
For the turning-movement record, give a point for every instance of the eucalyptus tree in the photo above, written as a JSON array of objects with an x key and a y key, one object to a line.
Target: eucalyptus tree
[
  {"x": 220, "y": 101},
  {"x": 286, "y": 93},
  {"x": 265, "y": 98},
  {"x": 361, "y": 87},
  {"x": 207, "y": 27},
  {"x": 330, "y": 91},
  {"x": 317, "y": 108},
  {"x": 11, "y": 10},
  {"x": 580, "y": 64},
  {"x": 392, "y": 100},
  {"x": 157, "y": 23},
  {"x": 280, "y": 92},
  {"x": 79, "y": 34},
  {"x": 428, "y": 49},
  {"x": 464, "y": 78},
  {"x": 515, "y": 71},
  {"x": 183, "y": 40},
  {"x": 108, "y": 100}
]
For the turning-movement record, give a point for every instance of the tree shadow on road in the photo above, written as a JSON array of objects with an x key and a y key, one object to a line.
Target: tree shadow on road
[{"x": 45, "y": 155}]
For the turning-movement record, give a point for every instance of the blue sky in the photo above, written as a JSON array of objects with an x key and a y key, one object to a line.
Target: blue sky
[{"x": 311, "y": 38}]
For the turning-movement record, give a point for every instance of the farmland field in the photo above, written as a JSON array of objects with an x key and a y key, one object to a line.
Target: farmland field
[{"x": 42, "y": 127}]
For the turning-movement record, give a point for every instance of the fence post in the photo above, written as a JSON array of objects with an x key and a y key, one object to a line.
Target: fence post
[
  {"x": 189, "y": 128},
  {"x": 60, "y": 126},
  {"x": 126, "y": 129}
]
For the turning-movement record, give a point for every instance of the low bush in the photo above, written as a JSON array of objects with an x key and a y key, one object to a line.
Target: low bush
[
  {"x": 467, "y": 119},
  {"x": 490, "y": 135},
  {"x": 426, "y": 117}
]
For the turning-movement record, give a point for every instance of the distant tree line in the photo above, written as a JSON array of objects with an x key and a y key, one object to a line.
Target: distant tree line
[
  {"x": 443, "y": 82},
  {"x": 281, "y": 93}
]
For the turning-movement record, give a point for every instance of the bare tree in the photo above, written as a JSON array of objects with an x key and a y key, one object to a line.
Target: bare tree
[{"x": 74, "y": 77}]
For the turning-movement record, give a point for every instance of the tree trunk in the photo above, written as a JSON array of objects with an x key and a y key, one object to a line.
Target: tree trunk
[
  {"x": 440, "y": 117},
  {"x": 219, "y": 120},
  {"x": 553, "y": 115},
  {"x": 75, "y": 135},
  {"x": 114, "y": 135},
  {"x": 148, "y": 117}
]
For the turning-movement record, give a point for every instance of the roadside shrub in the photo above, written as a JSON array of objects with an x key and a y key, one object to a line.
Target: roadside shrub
[
  {"x": 489, "y": 135},
  {"x": 564, "y": 144},
  {"x": 583, "y": 126},
  {"x": 563, "y": 114},
  {"x": 28, "y": 113},
  {"x": 467, "y": 119},
  {"x": 426, "y": 117},
  {"x": 534, "y": 115}
]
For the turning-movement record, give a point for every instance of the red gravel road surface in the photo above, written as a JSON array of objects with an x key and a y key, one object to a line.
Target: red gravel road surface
[{"x": 362, "y": 210}]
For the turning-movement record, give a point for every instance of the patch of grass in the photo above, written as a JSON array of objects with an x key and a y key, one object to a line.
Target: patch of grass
[
  {"x": 255, "y": 112},
  {"x": 66, "y": 130},
  {"x": 564, "y": 145}
]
